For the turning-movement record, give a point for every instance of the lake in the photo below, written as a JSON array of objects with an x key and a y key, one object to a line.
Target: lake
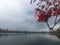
[{"x": 29, "y": 39}]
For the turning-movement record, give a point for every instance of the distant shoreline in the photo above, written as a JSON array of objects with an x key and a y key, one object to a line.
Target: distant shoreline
[{"x": 1, "y": 31}]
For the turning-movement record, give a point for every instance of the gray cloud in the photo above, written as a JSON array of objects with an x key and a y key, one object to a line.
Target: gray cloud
[{"x": 18, "y": 15}]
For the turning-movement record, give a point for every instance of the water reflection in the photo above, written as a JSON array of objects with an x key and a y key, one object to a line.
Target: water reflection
[
  {"x": 3, "y": 35},
  {"x": 58, "y": 36},
  {"x": 29, "y": 39},
  {"x": 44, "y": 35}
]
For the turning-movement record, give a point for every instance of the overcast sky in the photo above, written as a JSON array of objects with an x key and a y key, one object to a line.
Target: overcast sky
[{"x": 18, "y": 15}]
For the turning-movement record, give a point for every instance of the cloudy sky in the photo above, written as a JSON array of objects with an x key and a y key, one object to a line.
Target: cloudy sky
[{"x": 18, "y": 15}]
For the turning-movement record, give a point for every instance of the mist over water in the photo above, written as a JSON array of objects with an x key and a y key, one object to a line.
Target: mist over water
[{"x": 29, "y": 39}]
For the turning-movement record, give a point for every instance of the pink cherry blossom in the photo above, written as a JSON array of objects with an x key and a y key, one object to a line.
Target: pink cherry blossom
[{"x": 46, "y": 10}]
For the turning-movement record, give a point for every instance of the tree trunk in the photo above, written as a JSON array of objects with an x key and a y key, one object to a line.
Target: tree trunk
[
  {"x": 56, "y": 21},
  {"x": 50, "y": 28}
]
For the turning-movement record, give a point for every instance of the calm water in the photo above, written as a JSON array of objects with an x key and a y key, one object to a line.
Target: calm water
[{"x": 29, "y": 39}]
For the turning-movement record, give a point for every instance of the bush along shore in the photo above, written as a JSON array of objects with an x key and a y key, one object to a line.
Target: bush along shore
[{"x": 57, "y": 32}]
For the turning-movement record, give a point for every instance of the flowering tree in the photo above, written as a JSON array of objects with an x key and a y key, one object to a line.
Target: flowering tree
[{"x": 45, "y": 10}]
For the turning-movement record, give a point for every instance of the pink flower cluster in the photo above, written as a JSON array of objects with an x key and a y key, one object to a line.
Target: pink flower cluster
[
  {"x": 44, "y": 12},
  {"x": 42, "y": 16}
]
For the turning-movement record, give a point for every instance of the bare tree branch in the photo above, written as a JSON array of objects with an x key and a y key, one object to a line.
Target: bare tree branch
[
  {"x": 48, "y": 25},
  {"x": 55, "y": 22}
]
